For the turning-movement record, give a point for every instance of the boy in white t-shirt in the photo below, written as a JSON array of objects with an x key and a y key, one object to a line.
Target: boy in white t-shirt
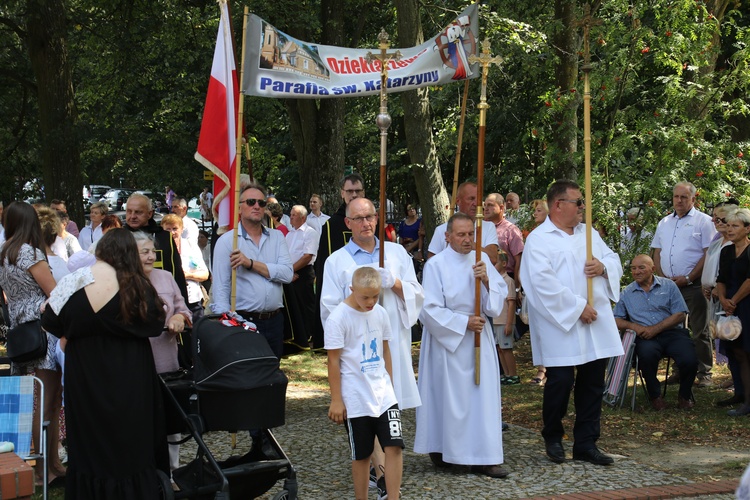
[{"x": 359, "y": 374}]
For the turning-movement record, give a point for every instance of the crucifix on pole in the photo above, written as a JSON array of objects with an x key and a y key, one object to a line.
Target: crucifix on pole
[
  {"x": 484, "y": 60},
  {"x": 586, "y": 22},
  {"x": 383, "y": 121}
]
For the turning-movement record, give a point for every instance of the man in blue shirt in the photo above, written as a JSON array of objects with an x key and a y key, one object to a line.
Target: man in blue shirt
[
  {"x": 263, "y": 266},
  {"x": 653, "y": 307}
]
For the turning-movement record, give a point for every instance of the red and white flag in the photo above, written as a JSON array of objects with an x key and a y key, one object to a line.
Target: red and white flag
[{"x": 217, "y": 144}]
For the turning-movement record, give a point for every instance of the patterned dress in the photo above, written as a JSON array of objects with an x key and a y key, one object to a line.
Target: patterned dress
[{"x": 25, "y": 299}]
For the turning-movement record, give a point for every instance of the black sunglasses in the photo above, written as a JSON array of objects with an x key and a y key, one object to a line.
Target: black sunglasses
[
  {"x": 250, "y": 202},
  {"x": 720, "y": 219},
  {"x": 579, "y": 202}
]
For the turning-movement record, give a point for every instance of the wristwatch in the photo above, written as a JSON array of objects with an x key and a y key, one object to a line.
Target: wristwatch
[{"x": 687, "y": 278}]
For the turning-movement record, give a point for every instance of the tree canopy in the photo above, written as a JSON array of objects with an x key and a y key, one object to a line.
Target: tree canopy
[{"x": 669, "y": 93}]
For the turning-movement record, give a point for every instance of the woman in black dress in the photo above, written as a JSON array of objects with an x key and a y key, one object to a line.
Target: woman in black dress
[
  {"x": 113, "y": 403},
  {"x": 732, "y": 287}
]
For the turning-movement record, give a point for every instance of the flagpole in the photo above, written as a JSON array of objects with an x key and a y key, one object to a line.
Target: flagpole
[
  {"x": 238, "y": 156},
  {"x": 484, "y": 60},
  {"x": 458, "y": 147}
]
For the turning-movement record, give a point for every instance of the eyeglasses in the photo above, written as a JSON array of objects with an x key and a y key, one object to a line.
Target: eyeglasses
[
  {"x": 359, "y": 220},
  {"x": 354, "y": 191},
  {"x": 250, "y": 202},
  {"x": 720, "y": 219},
  {"x": 579, "y": 202}
]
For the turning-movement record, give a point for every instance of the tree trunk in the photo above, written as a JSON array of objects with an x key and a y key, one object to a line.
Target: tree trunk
[
  {"x": 565, "y": 44},
  {"x": 57, "y": 113},
  {"x": 433, "y": 197},
  {"x": 317, "y": 127}
]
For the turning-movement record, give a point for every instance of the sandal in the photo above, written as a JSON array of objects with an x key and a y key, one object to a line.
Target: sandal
[{"x": 538, "y": 381}]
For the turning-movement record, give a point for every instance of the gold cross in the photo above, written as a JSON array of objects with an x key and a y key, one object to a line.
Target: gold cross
[
  {"x": 383, "y": 119},
  {"x": 485, "y": 60},
  {"x": 587, "y": 21}
]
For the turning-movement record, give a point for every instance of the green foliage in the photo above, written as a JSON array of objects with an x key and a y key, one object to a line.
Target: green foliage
[{"x": 668, "y": 86}]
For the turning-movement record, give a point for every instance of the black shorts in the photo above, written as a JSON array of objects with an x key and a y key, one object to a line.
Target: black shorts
[{"x": 362, "y": 432}]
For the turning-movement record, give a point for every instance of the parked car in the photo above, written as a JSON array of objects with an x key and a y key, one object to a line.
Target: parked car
[
  {"x": 92, "y": 194},
  {"x": 116, "y": 198}
]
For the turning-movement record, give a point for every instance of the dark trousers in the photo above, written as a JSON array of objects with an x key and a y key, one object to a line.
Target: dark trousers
[
  {"x": 301, "y": 310},
  {"x": 676, "y": 344},
  {"x": 736, "y": 371},
  {"x": 196, "y": 308},
  {"x": 698, "y": 324},
  {"x": 273, "y": 331},
  {"x": 587, "y": 398}
]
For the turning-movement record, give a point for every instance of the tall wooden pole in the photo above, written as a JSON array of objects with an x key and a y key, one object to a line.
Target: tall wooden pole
[
  {"x": 586, "y": 23},
  {"x": 238, "y": 155},
  {"x": 484, "y": 60},
  {"x": 458, "y": 148},
  {"x": 383, "y": 121}
]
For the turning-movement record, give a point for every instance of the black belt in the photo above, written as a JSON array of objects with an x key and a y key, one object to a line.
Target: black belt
[{"x": 249, "y": 315}]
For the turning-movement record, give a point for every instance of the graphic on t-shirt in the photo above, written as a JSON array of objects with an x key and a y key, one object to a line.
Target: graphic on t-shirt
[{"x": 370, "y": 363}]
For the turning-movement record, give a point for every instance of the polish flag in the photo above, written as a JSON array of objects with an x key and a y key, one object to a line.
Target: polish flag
[{"x": 217, "y": 144}]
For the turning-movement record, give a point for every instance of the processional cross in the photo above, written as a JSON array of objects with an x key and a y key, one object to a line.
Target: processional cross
[
  {"x": 484, "y": 60},
  {"x": 383, "y": 121}
]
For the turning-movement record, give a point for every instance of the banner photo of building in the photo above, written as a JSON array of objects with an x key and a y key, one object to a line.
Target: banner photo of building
[{"x": 278, "y": 65}]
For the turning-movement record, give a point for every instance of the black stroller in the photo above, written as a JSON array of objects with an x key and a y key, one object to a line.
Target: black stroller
[{"x": 235, "y": 385}]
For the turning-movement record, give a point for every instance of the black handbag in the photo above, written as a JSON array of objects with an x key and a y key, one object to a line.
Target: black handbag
[{"x": 27, "y": 342}]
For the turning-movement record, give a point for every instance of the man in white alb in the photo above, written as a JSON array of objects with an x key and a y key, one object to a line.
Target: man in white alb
[
  {"x": 570, "y": 337},
  {"x": 460, "y": 422}
]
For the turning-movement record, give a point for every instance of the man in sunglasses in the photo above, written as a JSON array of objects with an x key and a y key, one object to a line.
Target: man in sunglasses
[
  {"x": 263, "y": 266},
  {"x": 402, "y": 294},
  {"x": 570, "y": 337},
  {"x": 679, "y": 251},
  {"x": 334, "y": 234}
]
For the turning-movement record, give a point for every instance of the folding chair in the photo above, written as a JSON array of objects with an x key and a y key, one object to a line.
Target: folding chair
[
  {"x": 17, "y": 416},
  {"x": 618, "y": 372}
]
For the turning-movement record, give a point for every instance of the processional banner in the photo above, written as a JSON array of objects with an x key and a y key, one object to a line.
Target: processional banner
[{"x": 280, "y": 66}]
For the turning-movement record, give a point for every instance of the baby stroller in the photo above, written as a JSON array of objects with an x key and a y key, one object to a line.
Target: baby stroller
[{"x": 235, "y": 385}]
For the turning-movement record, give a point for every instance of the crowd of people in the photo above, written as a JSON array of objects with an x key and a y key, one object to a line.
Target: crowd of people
[{"x": 113, "y": 299}]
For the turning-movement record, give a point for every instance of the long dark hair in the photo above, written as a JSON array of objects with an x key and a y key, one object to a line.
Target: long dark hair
[
  {"x": 118, "y": 249},
  {"x": 21, "y": 226}
]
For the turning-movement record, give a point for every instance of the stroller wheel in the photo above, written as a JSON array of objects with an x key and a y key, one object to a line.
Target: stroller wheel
[
  {"x": 281, "y": 495},
  {"x": 166, "y": 492}
]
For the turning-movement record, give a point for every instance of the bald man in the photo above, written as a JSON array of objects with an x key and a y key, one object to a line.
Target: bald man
[{"x": 653, "y": 307}]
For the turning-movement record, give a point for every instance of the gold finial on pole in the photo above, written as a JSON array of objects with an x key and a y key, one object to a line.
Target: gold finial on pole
[
  {"x": 485, "y": 60},
  {"x": 383, "y": 122}
]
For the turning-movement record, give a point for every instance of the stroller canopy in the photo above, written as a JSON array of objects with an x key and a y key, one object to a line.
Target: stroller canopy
[{"x": 228, "y": 358}]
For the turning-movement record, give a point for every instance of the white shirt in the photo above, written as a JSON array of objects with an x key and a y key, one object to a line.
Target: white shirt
[
  {"x": 682, "y": 241},
  {"x": 316, "y": 221},
  {"x": 301, "y": 242},
  {"x": 87, "y": 236},
  {"x": 190, "y": 231},
  {"x": 711, "y": 264},
  {"x": 556, "y": 290},
  {"x": 458, "y": 418},
  {"x": 438, "y": 243},
  {"x": 365, "y": 384},
  {"x": 403, "y": 313}
]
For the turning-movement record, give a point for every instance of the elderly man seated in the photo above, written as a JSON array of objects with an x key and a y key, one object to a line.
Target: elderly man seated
[{"x": 653, "y": 307}]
